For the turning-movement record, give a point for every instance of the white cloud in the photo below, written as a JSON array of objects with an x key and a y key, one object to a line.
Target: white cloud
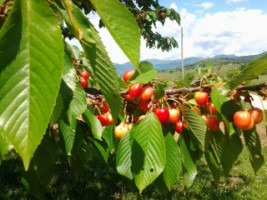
[
  {"x": 234, "y": 1},
  {"x": 174, "y": 6},
  {"x": 206, "y": 5},
  {"x": 240, "y": 32}
]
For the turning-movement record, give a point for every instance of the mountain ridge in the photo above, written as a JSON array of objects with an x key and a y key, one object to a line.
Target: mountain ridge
[{"x": 189, "y": 62}]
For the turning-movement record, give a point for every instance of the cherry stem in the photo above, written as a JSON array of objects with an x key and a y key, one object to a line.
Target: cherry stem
[{"x": 73, "y": 61}]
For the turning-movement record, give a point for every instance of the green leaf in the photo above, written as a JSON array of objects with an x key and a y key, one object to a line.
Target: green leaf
[
  {"x": 250, "y": 72},
  {"x": 108, "y": 135},
  {"x": 148, "y": 152},
  {"x": 218, "y": 98},
  {"x": 93, "y": 123},
  {"x": 146, "y": 74},
  {"x": 4, "y": 147},
  {"x": 75, "y": 52},
  {"x": 254, "y": 146},
  {"x": 101, "y": 149},
  {"x": 187, "y": 160},
  {"x": 81, "y": 151},
  {"x": 173, "y": 161},
  {"x": 213, "y": 164},
  {"x": 105, "y": 72},
  {"x": 159, "y": 89},
  {"x": 122, "y": 26},
  {"x": 197, "y": 126},
  {"x": 68, "y": 133},
  {"x": 176, "y": 16},
  {"x": 212, "y": 160},
  {"x": 181, "y": 84},
  {"x": 225, "y": 107},
  {"x": 123, "y": 159},
  {"x": 72, "y": 92},
  {"x": 57, "y": 110},
  {"x": 41, "y": 168},
  {"x": 31, "y": 57},
  {"x": 228, "y": 149},
  {"x": 74, "y": 101}
]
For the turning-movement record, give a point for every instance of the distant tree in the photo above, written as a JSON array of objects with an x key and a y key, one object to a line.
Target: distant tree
[{"x": 147, "y": 13}]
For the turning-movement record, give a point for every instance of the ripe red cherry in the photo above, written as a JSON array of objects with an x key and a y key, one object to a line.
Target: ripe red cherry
[
  {"x": 144, "y": 104},
  {"x": 128, "y": 97},
  {"x": 242, "y": 119},
  {"x": 135, "y": 90},
  {"x": 104, "y": 107},
  {"x": 210, "y": 108},
  {"x": 174, "y": 115},
  {"x": 256, "y": 114},
  {"x": 83, "y": 83},
  {"x": 162, "y": 15},
  {"x": 201, "y": 98},
  {"x": 85, "y": 74},
  {"x": 179, "y": 126},
  {"x": 162, "y": 114},
  {"x": 104, "y": 119},
  {"x": 250, "y": 126},
  {"x": 147, "y": 93},
  {"x": 212, "y": 123},
  {"x": 184, "y": 124},
  {"x": 127, "y": 75}
]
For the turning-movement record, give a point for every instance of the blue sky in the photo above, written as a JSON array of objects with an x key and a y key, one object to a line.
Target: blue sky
[
  {"x": 197, "y": 7},
  {"x": 210, "y": 28}
]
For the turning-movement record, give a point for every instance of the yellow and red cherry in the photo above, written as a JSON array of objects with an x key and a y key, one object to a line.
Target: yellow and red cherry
[
  {"x": 201, "y": 98},
  {"x": 135, "y": 90},
  {"x": 127, "y": 75}
]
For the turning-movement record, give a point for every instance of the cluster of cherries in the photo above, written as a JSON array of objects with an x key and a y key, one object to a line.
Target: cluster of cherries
[
  {"x": 136, "y": 90},
  {"x": 242, "y": 119},
  {"x": 106, "y": 117},
  {"x": 84, "y": 76},
  {"x": 144, "y": 94},
  {"x": 202, "y": 99},
  {"x": 106, "y": 120},
  {"x": 246, "y": 120}
]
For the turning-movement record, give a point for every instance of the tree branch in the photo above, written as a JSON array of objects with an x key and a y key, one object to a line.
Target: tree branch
[
  {"x": 253, "y": 87},
  {"x": 172, "y": 91}
]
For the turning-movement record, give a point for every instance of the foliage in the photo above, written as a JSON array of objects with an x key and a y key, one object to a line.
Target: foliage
[
  {"x": 146, "y": 13},
  {"x": 44, "y": 110}
]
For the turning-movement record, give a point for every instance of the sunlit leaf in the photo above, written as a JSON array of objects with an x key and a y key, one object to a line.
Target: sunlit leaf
[
  {"x": 31, "y": 60},
  {"x": 122, "y": 26},
  {"x": 123, "y": 160},
  {"x": 148, "y": 152}
]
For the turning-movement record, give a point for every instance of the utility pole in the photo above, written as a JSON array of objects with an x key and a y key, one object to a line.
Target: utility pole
[{"x": 182, "y": 52}]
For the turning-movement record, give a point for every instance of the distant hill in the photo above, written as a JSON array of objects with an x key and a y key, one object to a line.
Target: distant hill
[
  {"x": 162, "y": 65},
  {"x": 226, "y": 60},
  {"x": 158, "y": 64}
]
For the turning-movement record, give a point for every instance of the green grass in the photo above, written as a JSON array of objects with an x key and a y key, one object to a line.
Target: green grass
[{"x": 100, "y": 181}]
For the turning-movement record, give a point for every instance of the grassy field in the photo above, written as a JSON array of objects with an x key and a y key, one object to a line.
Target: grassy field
[
  {"x": 100, "y": 181},
  {"x": 225, "y": 71}
]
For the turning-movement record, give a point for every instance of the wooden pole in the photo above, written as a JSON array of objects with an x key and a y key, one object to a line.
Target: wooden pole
[{"x": 182, "y": 52}]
